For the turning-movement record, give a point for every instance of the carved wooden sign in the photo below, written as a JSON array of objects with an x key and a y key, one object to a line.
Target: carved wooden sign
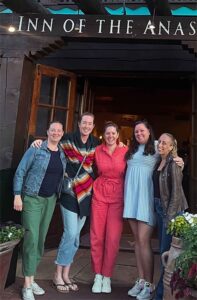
[{"x": 110, "y": 27}]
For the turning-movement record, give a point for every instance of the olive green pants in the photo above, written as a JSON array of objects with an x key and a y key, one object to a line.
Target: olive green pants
[{"x": 36, "y": 216}]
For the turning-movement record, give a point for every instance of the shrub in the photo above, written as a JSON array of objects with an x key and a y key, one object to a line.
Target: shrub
[{"x": 11, "y": 232}]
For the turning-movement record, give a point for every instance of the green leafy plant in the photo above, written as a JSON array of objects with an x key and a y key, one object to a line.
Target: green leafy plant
[
  {"x": 11, "y": 232},
  {"x": 178, "y": 225},
  {"x": 185, "y": 274}
]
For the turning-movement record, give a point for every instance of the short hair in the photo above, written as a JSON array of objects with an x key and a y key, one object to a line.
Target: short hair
[
  {"x": 85, "y": 114},
  {"x": 110, "y": 124},
  {"x": 53, "y": 122}
]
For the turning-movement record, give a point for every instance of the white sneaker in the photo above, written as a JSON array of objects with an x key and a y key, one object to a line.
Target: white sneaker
[
  {"x": 27, "y": 294},
  {"x": 97, "y": 286},
  {"x": 36, "y": 289},
  {"x": 137, "y": 288},
  {"x": 147, "y": 293},
  {"x": 106, "y": 286}
]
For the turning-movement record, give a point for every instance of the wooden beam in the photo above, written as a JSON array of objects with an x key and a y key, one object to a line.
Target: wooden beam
[
  {"x": 191, "y": 46},
  {"x": 93, "y": 7},
  {"x": 25, "y": 6},
  {"x": 161, "y": 7}
]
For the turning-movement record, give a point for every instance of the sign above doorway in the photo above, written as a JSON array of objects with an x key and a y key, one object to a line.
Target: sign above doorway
[{"x": 102, "y": 27}]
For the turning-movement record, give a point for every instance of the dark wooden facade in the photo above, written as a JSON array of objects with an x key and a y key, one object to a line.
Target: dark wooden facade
[{"x": 116, "y": 77}]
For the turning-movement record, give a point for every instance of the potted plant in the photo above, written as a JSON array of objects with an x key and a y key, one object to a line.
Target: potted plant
[
  {"x": 183, "y": 282},
  {"x": 10, "y": 236}
]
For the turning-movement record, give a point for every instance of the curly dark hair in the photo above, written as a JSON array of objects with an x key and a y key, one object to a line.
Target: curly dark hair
[{"x": 150, "y": 145}]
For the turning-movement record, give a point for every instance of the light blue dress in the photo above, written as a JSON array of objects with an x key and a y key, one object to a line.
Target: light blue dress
[{"x": 138, "y": 189}]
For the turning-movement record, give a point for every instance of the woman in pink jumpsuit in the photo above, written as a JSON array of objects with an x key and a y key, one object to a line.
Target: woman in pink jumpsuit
[{"x": 107, "y": 208}]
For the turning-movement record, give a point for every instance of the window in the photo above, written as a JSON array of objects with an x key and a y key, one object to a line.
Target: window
[{"x": 53, "y": 98}]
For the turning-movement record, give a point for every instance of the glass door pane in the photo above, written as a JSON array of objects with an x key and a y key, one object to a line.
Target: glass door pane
[
  {"x": 60, "y": 115},
  {"x": 62, "y": 90},
  {"x": 46, "y": 90},
  {"x": 42, "y": 122}
]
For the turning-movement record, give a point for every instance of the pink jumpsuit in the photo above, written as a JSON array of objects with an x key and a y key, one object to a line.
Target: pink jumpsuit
[{"x": 107, "y": 209}]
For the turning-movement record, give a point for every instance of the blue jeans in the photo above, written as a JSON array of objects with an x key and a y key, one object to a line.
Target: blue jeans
[
  {"x": 164, "y": 243},
  {"x": 70, "y": 239}
]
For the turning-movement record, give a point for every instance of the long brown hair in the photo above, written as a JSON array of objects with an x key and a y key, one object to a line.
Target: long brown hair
[{"x": 149, "y": 146}]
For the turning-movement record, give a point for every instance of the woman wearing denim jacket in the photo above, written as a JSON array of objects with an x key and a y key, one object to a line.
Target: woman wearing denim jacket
[
  {"x": 168, "y": 194},
  {"x": 75, "y": 206},
  {"x": 37, "y": 182}
]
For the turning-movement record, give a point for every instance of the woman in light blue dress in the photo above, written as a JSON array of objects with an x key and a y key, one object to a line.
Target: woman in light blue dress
[{"x": 139, "y": 205}]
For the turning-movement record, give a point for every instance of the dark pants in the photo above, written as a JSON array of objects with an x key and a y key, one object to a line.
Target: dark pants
[{"x": 164, "y": 243}]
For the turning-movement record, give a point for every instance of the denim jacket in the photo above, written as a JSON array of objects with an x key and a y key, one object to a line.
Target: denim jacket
[{"x": 32, "y": 168}]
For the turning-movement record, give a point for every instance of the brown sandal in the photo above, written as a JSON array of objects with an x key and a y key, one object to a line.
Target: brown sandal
[
  {"x": 61, "y": 288},
  {"x": 72, "y": 286}
]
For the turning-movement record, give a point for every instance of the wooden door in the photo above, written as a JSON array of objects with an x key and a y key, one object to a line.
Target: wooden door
[{"x": 53, "y": 98}]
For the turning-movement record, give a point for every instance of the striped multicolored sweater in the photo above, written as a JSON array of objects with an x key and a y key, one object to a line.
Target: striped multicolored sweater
[{"x": 75, "y": 150}]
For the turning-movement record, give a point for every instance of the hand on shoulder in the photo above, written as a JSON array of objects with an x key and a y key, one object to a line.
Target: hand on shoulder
[
  {"x": 179, "y": 161},
  {"x": 36, "y": 143}
]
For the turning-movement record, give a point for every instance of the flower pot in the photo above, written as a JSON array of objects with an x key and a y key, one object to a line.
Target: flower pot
[
  {"x": 6, "y": 250},
  {"x": 168, "y": 261}
]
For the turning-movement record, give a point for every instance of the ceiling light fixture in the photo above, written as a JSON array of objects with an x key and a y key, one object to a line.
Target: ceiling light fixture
[{"x": 11, "y": 28}]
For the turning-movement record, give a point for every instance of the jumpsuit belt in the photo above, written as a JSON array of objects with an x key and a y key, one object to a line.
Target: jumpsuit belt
[{"x": 110, "y": 186}]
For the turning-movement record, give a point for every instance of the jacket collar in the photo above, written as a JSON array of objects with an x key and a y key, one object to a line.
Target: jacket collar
[
  {"x": 44, "y": 146},
  {"x": 169, "y": 158}
]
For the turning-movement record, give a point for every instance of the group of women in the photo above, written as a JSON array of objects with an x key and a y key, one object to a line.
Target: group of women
[
  {"x": 150, "y": 175},
  {"x": 139, "y": 183}
]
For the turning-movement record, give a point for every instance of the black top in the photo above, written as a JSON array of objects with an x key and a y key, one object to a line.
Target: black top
[
  {"x": 156, "y": 175},
  {"x": 52, "y": 176}
]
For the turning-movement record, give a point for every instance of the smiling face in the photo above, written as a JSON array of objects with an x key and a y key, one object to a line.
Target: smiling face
[
  {"x": 55, "y": 133},
  {"x": 141, "y": 133},
  {"x": 165, "y": 145},
  {"x": 111, "y": 136},
  {"x": 86, "y": 125}
]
